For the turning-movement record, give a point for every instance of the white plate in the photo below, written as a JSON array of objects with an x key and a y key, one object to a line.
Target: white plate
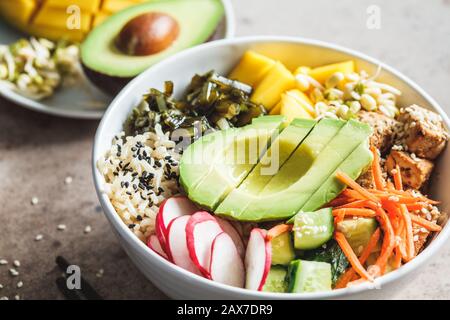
[{"x": 83, "y": 101}]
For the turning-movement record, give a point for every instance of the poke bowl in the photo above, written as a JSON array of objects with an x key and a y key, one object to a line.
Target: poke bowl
[{"x": 242, "y": 219}]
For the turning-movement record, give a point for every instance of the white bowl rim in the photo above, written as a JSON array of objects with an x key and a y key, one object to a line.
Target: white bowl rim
[{"x": 114, "y": 218}]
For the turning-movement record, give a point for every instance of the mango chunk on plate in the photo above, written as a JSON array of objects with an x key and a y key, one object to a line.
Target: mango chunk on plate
[
  {"x": 57, "y": 18},
  {"x": 251, "y": 68},
  {"x": 86, "y": 6},
  {"x": 322, "y": 73},
  {"x": 277, "y": 80},
  {"x": 17, "y": 12}
]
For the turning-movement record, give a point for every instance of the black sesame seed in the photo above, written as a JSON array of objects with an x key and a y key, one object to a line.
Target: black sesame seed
[
  {"x": 139, "y": 217},
  {"x": 168, "y": 158},
  {"x": 131, "y": 225},
  {"x": 129, "y": 193}
]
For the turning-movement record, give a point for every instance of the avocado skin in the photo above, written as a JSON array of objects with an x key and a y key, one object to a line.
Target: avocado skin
[{"x": 108, "y": 84}]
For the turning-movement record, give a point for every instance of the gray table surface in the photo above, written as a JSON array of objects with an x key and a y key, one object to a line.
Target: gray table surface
[{"x": 37, "y": 152}]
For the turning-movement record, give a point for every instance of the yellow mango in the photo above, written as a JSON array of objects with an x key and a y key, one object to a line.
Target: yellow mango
[
  {"x": 277, "y": 80},
  {"x": 17, "y": 12},
  {"x": 113, "y": 6},
  {"x": 302, "y": 100},
  {"x": 58, "y": 18},
  {"x": 99, "y": 18},
  {"x": 85, "y": 6},
  {"x": 276, "y": 110},
  {"x": 57, "y": 33},
  {"x": 322, "y": 73},
  {"x": 291, "y": 109},
  {"x": 252, "y": 68}
]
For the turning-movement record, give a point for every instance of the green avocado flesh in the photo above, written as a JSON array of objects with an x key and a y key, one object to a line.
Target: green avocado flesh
[
  {"x": 235, "y": 161},
  {"x": 309, "y": 155},
  {"x": 197, "y": 20},
  {"x": 280, "y": 150},
  {"x": 283, "y": 197}
]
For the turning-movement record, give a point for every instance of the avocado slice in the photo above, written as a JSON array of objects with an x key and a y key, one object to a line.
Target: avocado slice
[
  {"x": 356, "y": 162},
  {"x": 197, "y": 157},
  {"x": 110, "y": 68},
  {"x": 280, "y": 150},
  {"x": 235, "y": 160},
  {"x": 304, "y": 172}
]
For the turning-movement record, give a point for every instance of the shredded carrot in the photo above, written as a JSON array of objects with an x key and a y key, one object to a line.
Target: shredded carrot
[
  {"x": 398, "y": 258},
  {"x": 339, "y": 217},
  {"x": 277, "y": 230},
  {"x": 431, "y": 226},
  {"x": 415, "y": 206},
  {"x": 359, "y": 212},
  {"x": 353, "y": 204},
  {"x": 348, "y": 275},
  {"x": 388, "y": 240},
  {"x": 376, "y": 170},
  {"x": 351, "y": 256},
  {"x": 352, "y": 184},
  {"x": 398, "y": 178},
  {"x": 409, "y": 240}
]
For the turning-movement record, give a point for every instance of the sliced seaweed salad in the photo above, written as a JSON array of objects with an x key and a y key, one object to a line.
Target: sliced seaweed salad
[{"x": 211, "y": 102}]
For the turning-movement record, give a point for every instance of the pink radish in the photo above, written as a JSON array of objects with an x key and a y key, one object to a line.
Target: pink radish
[
  {"x": 153, "y": 243},
  {"x": 170, "y": 209},
  {"x": 234, "y": 234},
  {"x": 201, "y": 230},
  {"x": 226, "y": 264},
  {"x": 176, "y": 244},
  {"x": 257, "y": 260}
]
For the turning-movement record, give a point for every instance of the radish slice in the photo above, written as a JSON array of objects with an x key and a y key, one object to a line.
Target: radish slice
[
  {"x": 153, "y": 243},
  {"x": 201, "y": 230},
  {"x": 257, "y": 260},
  {"x": 234, "y": 234},
  {"x": 226, "y": 264},
  {"x": 176, "y": 244},
  {"x": 170, "y": 209}
]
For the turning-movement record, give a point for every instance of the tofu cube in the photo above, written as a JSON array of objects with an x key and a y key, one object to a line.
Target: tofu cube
[
  {"x": 423, "y": 133},
  {"x": 415, "y": 171},
  {"x": 384, "y": 129}
]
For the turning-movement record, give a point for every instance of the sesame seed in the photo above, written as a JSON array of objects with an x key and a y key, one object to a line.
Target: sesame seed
[
  {"x": 87, "y": 229},
  {"x": 19, "y": 284},
  {"x": 13, "y": 272},
  {"x": 4, "y": 298},
  {"x": 1, "y": 286},
  {"x": 61, "y": 227},
  {"x": 100, "y": 273},
  {"x": 17, "y": 297},
  {"x": 68, "y": 180},
  {"x": 39, "y": 237},
  {"x": 3, "y": 262},
  {"x": 16, "y": 263},
  {"x": 34, "y": 200}
]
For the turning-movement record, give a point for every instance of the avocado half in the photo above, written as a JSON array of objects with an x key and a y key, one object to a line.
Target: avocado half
[{"x": 110, "y": 68}]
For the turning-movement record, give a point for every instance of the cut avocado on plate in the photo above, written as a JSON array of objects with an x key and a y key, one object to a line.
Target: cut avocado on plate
[
  {"x": 132, "y": 40},
  {"x": 309, "y": 276},
  {"x": 280, "y": 150},
  {"x": 276, "y": 280},
  {"x": 234, "y": 161}
]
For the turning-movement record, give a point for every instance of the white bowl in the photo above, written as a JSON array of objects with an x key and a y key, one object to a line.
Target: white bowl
[{"x": 222, "y": 56}]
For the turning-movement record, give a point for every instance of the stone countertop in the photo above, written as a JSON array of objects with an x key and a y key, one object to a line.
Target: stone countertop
[{"x": 38, "y": 152}]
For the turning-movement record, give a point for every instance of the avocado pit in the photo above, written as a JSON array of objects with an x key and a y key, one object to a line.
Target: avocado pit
[{"x": 147, "y": 34}]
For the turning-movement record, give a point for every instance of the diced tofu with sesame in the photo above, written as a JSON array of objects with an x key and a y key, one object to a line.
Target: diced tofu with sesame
[
  {"x": 420, "y": 239},
  {"x": 384, "y": 129},
  {"x": 365, "y": 180},
  {"x": 415, "y": 171},
  {"x": 424, "y": 132}
]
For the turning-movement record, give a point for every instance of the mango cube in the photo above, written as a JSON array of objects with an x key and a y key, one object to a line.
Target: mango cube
[
  {"x": 303, "y": 100},
  {"x": 277, "y": 80},
  {"x": 86, "y": 6},
  {"x": 322, "y": 73},
  {"x": 17, "y": 12},
  {"x": 99, "y": 18},
  {"x": 291, "y": 109},
  {"x": 252, "y": 68},
  {"x": 60, "y": 19}
]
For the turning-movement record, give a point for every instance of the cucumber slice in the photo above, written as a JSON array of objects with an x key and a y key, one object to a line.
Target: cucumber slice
[
  {"x": 276, "y": 280},
  {"x": 358, "y": 232},
  {"x": 313, "y": 229},
  {"x": 309, "y": 276},
  {"x": 282, "y": 249}
]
